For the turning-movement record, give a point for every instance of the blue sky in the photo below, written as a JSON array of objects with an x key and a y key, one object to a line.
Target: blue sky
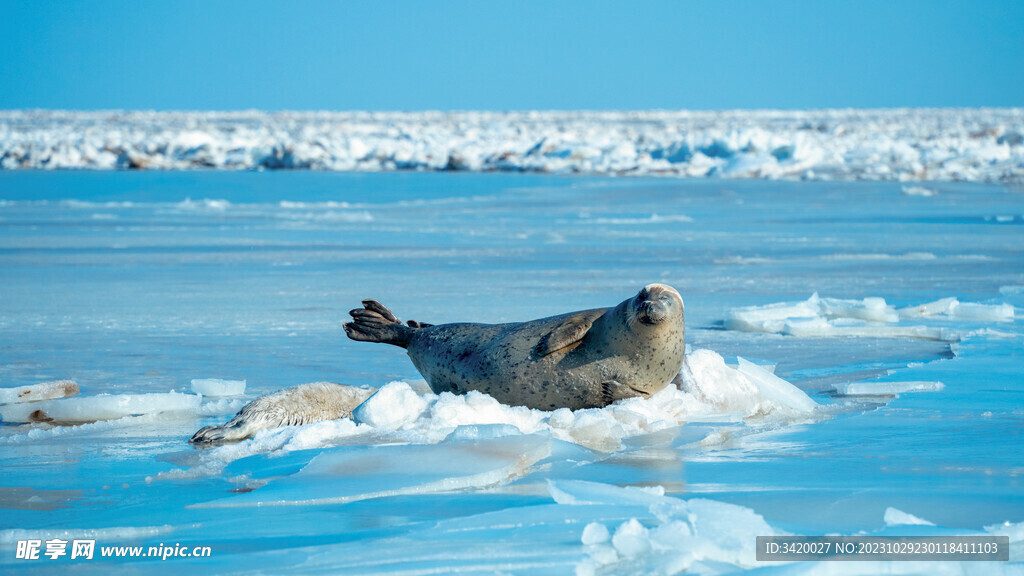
[{"x": 489, "y": 55}]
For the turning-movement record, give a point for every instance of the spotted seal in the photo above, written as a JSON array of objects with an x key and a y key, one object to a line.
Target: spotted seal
[{"x": 584, "y": 359}]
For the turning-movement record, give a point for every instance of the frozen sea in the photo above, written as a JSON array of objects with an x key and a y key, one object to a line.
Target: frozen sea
[{"x": 895, "y": 308}]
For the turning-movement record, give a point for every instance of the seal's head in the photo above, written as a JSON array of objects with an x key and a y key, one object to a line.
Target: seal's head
[{"x": 656, "y": 304}]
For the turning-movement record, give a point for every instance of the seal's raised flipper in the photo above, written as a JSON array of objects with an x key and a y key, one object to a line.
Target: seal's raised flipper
[
  {"x": 566, "y": 334},
  {"x": 375, "y": 323}
]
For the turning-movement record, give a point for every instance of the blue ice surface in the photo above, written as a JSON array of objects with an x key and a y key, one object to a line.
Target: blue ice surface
[{"x": 116, "y": 281}]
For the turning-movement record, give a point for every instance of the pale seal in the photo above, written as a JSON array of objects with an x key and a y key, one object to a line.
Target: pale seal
[
  {"x": 585, "y": 359},
  {"x": 303, "y": 404}
]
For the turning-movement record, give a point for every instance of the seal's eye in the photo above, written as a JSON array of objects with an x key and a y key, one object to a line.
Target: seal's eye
[{"x": 664, "y": 298}]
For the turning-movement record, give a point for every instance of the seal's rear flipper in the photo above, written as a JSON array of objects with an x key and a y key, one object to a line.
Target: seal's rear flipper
[
  {"x": 218, "y": 435},
  {"x": 375, "y": 323}
]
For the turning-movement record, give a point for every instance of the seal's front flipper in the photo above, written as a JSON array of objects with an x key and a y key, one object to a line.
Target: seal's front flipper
[
  {"x": 612, "y": 391},
  {"x": 566, "y": 334},
  {"x": 375, "y": 323}
]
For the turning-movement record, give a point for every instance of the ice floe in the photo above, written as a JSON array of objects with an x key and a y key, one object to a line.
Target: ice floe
[
  {"x": 37, "y": 392},
  {"x": 218, "y": 388},
  {"x": 953, "y": 309},
  {"x": 886, "y": 388},
  {"x": 902, "y": 144},
  {"x": 868, "y": 317},
  {"x": 100, "y": 407},
  {"x": 919, "y": 191}
]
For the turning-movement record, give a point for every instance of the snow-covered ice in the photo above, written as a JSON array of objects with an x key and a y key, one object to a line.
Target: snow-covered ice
[{"x": 901, "y": 144}]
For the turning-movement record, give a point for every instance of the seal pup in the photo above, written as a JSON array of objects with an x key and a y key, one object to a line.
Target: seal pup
[
  {"x": 585, "y": 359},
  {"x": 302, "y": 404}
]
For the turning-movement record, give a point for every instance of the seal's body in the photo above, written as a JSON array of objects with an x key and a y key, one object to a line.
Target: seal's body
[{"x": 583, "y": 359}]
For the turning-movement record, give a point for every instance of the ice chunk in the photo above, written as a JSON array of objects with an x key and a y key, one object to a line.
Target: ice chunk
[
  {"x": 919, "y": 191},
  {"x": 37, "y": 392},
  {"x": 100, "y": 407},
  {"x": 348, "y": 474},
  {"x": 983, "y": 312},
  {"x": 956, "y": 310},
  {"x": 221, "y": 406},
  {"x": 583, "y": 493},
  {"x": 894, "y": 517},
  {"x": 720, "y": 387},
  {"x": 595, "y": 533},
  {"x": 943, "y": 306},
  {"x": 596, "y": 429},
  {"x": 822, "y": 328},
  {"x": 218, "y": 388},
  {"x": 870, "y": 318},
  {"x": 870, "y": 309},
  {"x": 772, "y": 317},
  {"x": 390, "y": 407},
  {"x": 775, "y": 391},
  {"x": 631, "y": 539},
  {"x": 206, "y": 204},
  {"x": 886, "y": 388}
]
